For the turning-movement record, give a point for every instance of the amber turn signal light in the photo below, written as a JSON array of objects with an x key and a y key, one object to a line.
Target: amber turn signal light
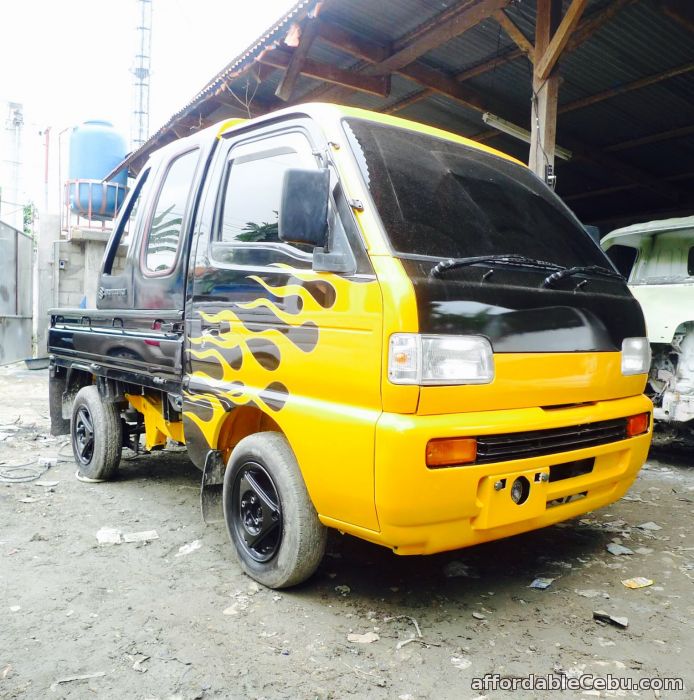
[
  {"x": 637, "y": 425},
  {"x": 450, "y": 452}
]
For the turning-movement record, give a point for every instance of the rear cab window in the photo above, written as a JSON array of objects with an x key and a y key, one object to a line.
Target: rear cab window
[{"x": 163, "y": 235}]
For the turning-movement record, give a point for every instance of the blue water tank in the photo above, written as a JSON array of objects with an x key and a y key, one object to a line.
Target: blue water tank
[{"x": 95, "y": 149}]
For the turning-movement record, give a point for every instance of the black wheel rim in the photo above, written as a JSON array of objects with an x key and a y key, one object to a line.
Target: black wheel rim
[
  {"x": 256, "y": 512},
  {"x": 83, "y": 435}
]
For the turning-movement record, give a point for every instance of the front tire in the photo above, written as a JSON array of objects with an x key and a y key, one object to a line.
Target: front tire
[
  {"x": 97, "y": 435},
  {"x": 268, "y": 513}
]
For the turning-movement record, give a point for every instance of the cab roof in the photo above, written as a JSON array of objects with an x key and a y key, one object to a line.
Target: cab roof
[{"x": 634, "y": 234}]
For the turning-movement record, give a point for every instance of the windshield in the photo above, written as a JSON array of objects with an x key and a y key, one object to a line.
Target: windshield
[{"x": 443, "y": 199}]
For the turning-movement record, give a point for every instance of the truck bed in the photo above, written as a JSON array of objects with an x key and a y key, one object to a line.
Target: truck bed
[{"x": 137, "y": 346}]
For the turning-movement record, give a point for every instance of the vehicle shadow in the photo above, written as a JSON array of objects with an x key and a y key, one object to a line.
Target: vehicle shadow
[
  {"x": 373, "y": 573},
  {"x": 674, "y": 455},
  {"x": 159, "y": 464}
]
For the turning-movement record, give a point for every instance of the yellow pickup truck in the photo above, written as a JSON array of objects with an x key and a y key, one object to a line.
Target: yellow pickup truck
[{"x": 357, "y": 322}]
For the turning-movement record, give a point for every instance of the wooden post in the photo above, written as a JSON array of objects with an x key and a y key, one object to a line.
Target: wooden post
[{"x": 543, "y": 119}]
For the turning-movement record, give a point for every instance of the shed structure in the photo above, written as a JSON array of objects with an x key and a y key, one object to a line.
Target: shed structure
[{"x": 602, "y": 89}]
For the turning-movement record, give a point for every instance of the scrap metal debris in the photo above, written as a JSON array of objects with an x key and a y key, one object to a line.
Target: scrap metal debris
[
  {"x": 366, "y": 638},
  {"x": 592, "y": 593},
  {"x": 618, "y": 549},
  {"x": 71, "y": 679},
  {"x": 405, "y": 617},
  {"x": 605, "y": 618},
  {"x": 112, "y": 535},
  {"x": 21, "y": 473},
  {"x": 460, "y": 662},
  {"x": 144, "y": 536},
  {"x": 241, "y": 604},
  {"x": 542, "y": 583},
  {"x": 189, "y": 548},
  {"x": 108, "y": 535},
  {"x": 137, "y": 665}
]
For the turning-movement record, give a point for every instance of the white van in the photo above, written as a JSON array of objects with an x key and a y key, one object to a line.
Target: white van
[{"x": 658, "y": 260}]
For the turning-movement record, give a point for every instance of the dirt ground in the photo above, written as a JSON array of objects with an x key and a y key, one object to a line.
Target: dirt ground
[{"x": 149, "y": 620}]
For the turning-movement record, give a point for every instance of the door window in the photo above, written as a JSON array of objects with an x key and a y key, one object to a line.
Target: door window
[
  {"x": 163, "y": 237},
  {"x": 247, "y": 221}
]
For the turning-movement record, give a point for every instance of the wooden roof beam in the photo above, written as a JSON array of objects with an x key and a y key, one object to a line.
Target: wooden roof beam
[
  {"x": 681, "y": 11},
  {"x": 627, "y": 87},
  {"x": 353, "y": 44},
  {"x": 489, "y": 64},
  {"x": 588, "y": 194},
  {"x": 624, "y": 170},
  {"x": 584, "y": 31},
  {"x": 596, "y": 21},
  {"x": 444, "y": 84},
  {"x": 375, "y": 85},
  {"x": 546, "y": 63},
  {"x": 516, "y": 35},
  {"x": 446, "y": 26},
  {"x": 437, "y": 81},
  {"x": 651, "y": 138},
  {"x": 433, "y": 80},
  {"x": 308, "y": 32}
]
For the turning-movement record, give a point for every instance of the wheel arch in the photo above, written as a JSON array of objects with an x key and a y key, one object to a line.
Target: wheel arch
[
  {"x": 211, "y": 425},
  {"x": 76, "y": 378},
  {"x": 242, "y": 422}
]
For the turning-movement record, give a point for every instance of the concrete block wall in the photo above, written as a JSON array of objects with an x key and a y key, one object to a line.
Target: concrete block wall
[
  {"x": 82, "y": 254},
  {"x": 71, "y": 273}
]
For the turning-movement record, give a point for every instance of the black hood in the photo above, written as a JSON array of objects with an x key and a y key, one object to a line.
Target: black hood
[{"x": 516, "y": 314}]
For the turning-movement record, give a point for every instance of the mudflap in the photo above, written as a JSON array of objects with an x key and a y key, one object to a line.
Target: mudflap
[
  {"x": 211, "y": 488},
  {"x": 56, "y": 388}
]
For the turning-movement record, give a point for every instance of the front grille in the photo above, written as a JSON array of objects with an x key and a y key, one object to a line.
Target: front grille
[{"x": 502, "y": 448}]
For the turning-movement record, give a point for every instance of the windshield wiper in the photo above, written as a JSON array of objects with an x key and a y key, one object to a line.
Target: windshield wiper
[
  {"x": 570, "y": 271},
  {"x": 504, "y": 259}
]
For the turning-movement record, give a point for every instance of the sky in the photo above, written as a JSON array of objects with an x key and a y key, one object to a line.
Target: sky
[{"x": 67, "y": 61}]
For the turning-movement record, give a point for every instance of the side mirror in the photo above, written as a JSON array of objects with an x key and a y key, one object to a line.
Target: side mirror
[{"x": 303, "y": 215}]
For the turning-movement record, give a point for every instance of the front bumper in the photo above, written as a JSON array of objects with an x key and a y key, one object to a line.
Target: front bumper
[{"x": 422, "y": 510}]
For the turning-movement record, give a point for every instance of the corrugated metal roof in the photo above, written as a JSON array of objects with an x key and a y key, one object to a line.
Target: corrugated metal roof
[
  {"x": 640, "y": 40},
  {"x": 230, "y": 71}
]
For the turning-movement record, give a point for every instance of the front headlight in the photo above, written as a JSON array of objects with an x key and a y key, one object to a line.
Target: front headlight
[
  {"x": 636, "y": 356},
  {"x": 439, "y": 359}
]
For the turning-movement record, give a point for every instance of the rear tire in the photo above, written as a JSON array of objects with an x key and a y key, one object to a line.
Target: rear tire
[
  {"x": 269, "y": 515},
  {"x": 97, "y": 435}
]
